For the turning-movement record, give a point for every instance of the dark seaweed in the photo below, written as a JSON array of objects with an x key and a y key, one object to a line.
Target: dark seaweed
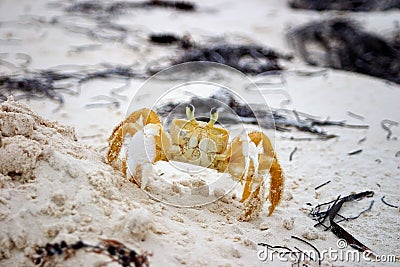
[
  {"x": 346, "y": 46},
  {"x": 249, "y": 59},
  {"x": 31, "y": 87},
  {"x": 332, "y": 211},
  {"x": 47, "y": 83},
  {"x": 348, "y": 5},
  {"x": 97, "y": 7},
  {"x": 282, "y": 119},
  {"x": 164, "y": 38}
]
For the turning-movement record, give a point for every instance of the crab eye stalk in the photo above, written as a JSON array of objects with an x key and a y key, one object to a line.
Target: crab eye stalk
[
  {"x": 213, "y": 116},
  {"x": 190, "y": 112}
]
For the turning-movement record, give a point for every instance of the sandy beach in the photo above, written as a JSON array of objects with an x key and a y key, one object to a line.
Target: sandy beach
[{"x": 55, "y": 183}]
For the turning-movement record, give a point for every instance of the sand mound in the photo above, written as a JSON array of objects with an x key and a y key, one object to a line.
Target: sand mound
[{"x": 53, "y": 188}]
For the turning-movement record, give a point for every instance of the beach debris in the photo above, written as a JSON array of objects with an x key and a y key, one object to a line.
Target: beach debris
[
  {"x": 362, "y": 140},
  {"x": 311, "y": 245},
  {"x": 110, "y": 8},
  {"x": 388, "y": 204},
  {"x": 288, "y": 223},
  {"x": 203, "y": 144},
  {"x": 103, "y": 101},
  {"x": 31, "y": 86},
  {"x": 164, "y": 38},
  {"x": 386, "y": 124},
  {"x": 321, "y": 185},
  {"x": 354, "y": 152},
  {"x": 284, "y": 120},
  {"x": 321, "y": 214},
  {"x": 292, "y": 153},
  {"x": 356, "y": 116},
  {"x": 344, "y": 45},
  {"x": 309, "y": 138},
  {"x": 295, "y": 255},
  {"x": 345, "y": 5},
  {"x": 50, "y": 83},
  {"x": 114, "y": 249},
  {"x": 248, "y": 58}
]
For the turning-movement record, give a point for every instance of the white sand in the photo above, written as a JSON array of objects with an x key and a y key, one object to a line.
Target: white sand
[{"x": 65, "y": 191}]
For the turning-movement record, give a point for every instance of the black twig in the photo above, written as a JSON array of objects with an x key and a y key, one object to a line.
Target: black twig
[{"x": 321, "y": 185}]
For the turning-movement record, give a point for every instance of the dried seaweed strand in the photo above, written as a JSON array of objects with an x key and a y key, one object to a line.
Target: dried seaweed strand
[
  {"x": 309, "y": 138},
  {"x": 311, "y": 245},
  {"x": 292, "y": 153},
  {"x": 322, "y": 216},
  {"x": 345, "y": 5},
  {"x": 321, "y": 185},
  {"x": 388, "y": 204},
  {"x": 96, "y": 7},
  {"x": 354, "y": 152},
  {"x": 356, "y": 116},
  {"x": 362, "y": 140},
  {"x": 386, "y": 124},
  {"x": 332, "y": 212},
  {"x": 357, "y": 216}
]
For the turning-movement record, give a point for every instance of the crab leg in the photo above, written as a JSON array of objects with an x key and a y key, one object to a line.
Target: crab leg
[
  {"x": 269, "y": 160},
  {"x": 249, "y": 161}
]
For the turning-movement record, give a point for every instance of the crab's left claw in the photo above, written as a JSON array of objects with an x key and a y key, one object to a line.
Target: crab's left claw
[{"x": 135, "y": 122}]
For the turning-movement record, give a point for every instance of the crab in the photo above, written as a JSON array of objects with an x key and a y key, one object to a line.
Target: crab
[{"x": 247, "y": 158}]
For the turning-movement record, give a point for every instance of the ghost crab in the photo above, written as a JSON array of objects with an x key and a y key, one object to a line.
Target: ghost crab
[{"x": 246, "y": 158}]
